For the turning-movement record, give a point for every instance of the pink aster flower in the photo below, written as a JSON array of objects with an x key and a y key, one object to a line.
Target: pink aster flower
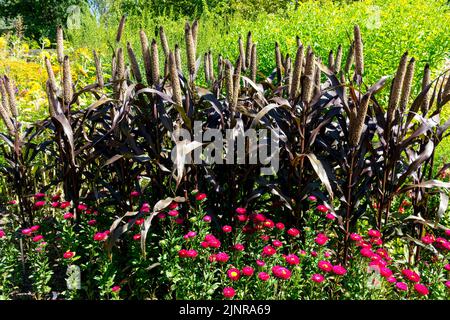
[
  {"x": 428, "y": 239},
  {"x": 247, "y": 271},
  {"x": 277, "y": 243},
  {"x": 312, "y": 198},
  {"x": 281, "y": 272},
  {"x": 26, "y": 231},
  {"x": 317, "y": 278},
  {"x": 339, "y": 270},
  {"x": 401, "y": 286},
  {"x": 325, "y": 266},
  {"x": 134, "y": 194},
  {"x": 239, "y": 247},
  {"x": 222, "y": 257},
  {"x": 228, "y": 292},
  {"x": 411, "y": 275},
  {"x": 115, "y": 289},
  {"x": 161, "y": 215},
  {"x": 421, "y": 289},
  {"x": 321, "y": 239},
  {"x": 385, "y": 272},
  {"x": 227, "y": 229},
  {"x": 38, "y": 238},
  {"x": 260, "y": 263},
  {"x": 68, "y": 254},
  {"x": 322, "y": 208},
  {"x": 183, "y": 253},
  {"x": 293, "y": 232},
  {"x": 68, "y": 216},
  {"x": 207, "y": 218},
  {"x": 39, "y": 204},
  {"x": 145, "y": 207},
  {"x": 191, "y": 253},
  {"x": 391, "y": 279},
  {"x": 100, "y": 236},
  {"x": 263, "y": 276},
  {"x": 279, "y": 225},
  {"x": 200, "y": 197},
  {"x": 269, "y": 224},
  {"x": 374, "y": 233},
  {"x": 355, "y": 237},
  {"x": 137, "y": 237},
  {"x": 82, "y": 207},
  {"x": 233, "y": 274},
  {"x": 173, "y": 213},
  {"x": 292, "y": 259},
  {"x": 269, "y": 251},
  {"x": 55, "y": 204},
  {"x": 64, "y": 205},
  {"x": 241, "y": 211}
]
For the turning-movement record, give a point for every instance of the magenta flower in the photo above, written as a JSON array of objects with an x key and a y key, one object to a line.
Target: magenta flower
[
  {"x": 292, "y": 259},
  {"x": 355, "y": 237},
  {"x": 200, "y": 197},
  {"x": 269, "y": 251},
  {"x": 263, "y": 276},
  {"x": 64, "y": 204},
  {"x": 38, "y": 238},
  {"x": 325, "y": 266},
  {"x": 277, "y": 243},
  {"x": 137, "y": 236},
  {"x": 401, "y": 286},
  {"x": 68, "y": 216},
  {"x": 293, "y": 232},
  {"x": 100, "y": 236},
  {"x": 39, "y": 204},
  {"x": 317, "y": 278},
  {"x": 247, "y": 271},
  {"x": 281, "y": 272},
  {"x": 233, "y": 274},
  {"x": 421, "y": 289},
  {"x": 411, "y": 275},
  {"x": 222, "y": 257},
  {"x": 68, "y": 254},
  {"x": 228, "y": 292},
  {"x": 279, "y": 225},
  {"x": 173, "y": 213},
  {"x": 135, "y": 194},
  {"x": 26, "y": 231},
  {"x": 115, "y": 289},
  {"x": 374, "y": 233},
  {"x": 339, "y": 270},
  {"x": 321, "y": 239},
  {"x": 227, "y": 229}
]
